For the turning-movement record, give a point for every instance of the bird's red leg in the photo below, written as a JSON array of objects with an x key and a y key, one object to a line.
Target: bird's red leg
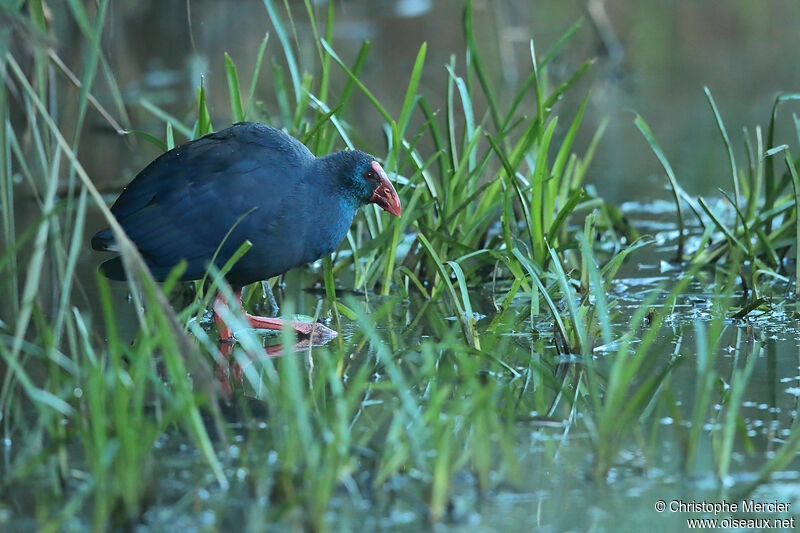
[
  {"x": 263, "y": 322},
  {"x": 222, "y": 367},
  {"x": 303, "y": 328},
  {"x": 225, "y": 333}
]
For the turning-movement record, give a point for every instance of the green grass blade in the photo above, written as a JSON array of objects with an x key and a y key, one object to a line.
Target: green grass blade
[
  {"x": 149, "y": 137},
  {"x": 673, "y": 182},
  {"x": 796, "y": 188},
  {"x": 294, "y": 71},
  {"x": 411, "y": 91},
  {"x": 256, "y": 72},
  {"x": 233, "y": 89},
  {"x": 203, "y": 125},
  {"x": 770, "y": 189},
  {"x": 724, "y": 133},
  {"x": 162, "y": 115},
  {"x": 526, "y": 264},
  {"x": 467, "y": 327},
  {"x": 480, "y": 70},
  {"x": 357, "y": 82}
]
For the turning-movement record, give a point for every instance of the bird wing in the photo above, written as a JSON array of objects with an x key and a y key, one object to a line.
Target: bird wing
[{"x": 184, "y": 203}]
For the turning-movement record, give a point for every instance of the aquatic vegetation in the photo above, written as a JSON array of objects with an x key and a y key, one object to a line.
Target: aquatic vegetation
[{"x": 493, "y": 338}]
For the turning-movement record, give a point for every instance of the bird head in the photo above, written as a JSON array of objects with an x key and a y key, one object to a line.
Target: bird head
[
  {"x": 383, "y": 193},
  {"x": 368, "y": 182}
]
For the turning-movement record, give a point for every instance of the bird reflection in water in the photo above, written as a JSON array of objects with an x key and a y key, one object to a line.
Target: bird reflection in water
[{"x": 230, "y": 369}]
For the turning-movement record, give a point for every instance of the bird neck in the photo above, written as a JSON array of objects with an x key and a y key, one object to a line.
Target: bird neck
[{"x": 333, "y": 174}]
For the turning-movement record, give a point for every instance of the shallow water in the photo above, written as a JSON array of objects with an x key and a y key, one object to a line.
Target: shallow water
[
  {"x": 655, "y": 60},
  {"x": 670, "y": 51},
  {"x": 555, "y": 491}
]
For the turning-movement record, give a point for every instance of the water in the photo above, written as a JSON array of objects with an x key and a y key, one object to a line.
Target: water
[
  {"x": 661, "y": 56},
  {"x": 670, "y": 50},
  {"x": 553, "y": 449},
  {"x": 554, "y": 489}
]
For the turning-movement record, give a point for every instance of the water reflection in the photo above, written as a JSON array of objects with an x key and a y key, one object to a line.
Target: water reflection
[
  {"x": 230, "y": 370},
  {"x": 411, "y": 8},
  {"x": 671, "y": 49},
  {"x": 653, "y": 57}
]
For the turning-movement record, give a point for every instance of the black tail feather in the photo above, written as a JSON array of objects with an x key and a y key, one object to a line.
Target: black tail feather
[
  {"x": 112, "y": 269},
  {"x": 103, "y": 240}
]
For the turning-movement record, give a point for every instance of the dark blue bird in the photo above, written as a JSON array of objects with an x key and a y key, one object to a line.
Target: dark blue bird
[{"x": 256, "y": 182}]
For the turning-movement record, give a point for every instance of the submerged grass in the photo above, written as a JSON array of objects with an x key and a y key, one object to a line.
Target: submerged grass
[{"x": 421, "y": 396}]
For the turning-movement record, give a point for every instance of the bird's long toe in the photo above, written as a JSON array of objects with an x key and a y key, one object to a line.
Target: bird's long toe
[
  {"x": 319, "y": 333},
  {"x": 323, "y": 334}
]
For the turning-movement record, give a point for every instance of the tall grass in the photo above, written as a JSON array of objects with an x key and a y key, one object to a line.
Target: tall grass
[
  {"x": 750, "y": 241},
  {"x": 420, "y": 396}
]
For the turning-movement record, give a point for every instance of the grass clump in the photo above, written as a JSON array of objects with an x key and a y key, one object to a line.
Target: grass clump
[{"x": 422, "y": 403}]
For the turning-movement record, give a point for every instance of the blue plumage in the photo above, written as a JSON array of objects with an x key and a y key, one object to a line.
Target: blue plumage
[{"x": 296, "y": 207}]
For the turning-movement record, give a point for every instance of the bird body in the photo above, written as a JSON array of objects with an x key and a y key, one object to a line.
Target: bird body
[{"x": 247, "y": 182}]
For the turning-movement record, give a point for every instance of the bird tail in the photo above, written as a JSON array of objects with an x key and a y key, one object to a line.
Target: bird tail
[
  {"x": 103, "y": 241},
  {"x": 112, "y": 269}
]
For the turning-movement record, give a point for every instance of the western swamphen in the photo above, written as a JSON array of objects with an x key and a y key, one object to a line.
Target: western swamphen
[{"x": 256, "y": 182}]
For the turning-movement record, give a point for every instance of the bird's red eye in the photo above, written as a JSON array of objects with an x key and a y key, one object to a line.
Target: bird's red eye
[{"x": 371, "y": 175}]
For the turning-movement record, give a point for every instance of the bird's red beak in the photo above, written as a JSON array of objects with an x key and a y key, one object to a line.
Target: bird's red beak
[{"x": 385, "y": 195}]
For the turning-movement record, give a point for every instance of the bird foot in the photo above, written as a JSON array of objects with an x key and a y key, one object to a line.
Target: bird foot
[
  {"x": 319, "y": 333},
  {"x": 299, "y": 327}
]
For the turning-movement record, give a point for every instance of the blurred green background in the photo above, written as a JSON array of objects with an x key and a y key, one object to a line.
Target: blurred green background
[{"x": 652, "y": 57}]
